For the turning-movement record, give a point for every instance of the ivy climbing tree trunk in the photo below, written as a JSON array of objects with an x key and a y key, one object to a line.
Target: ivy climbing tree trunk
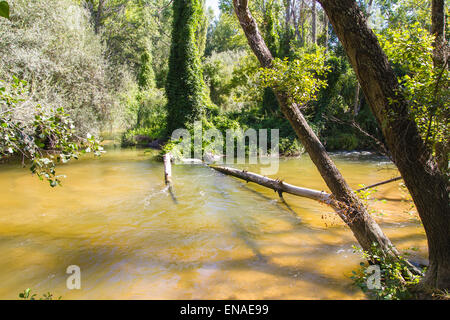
[
  {"x": 185, "y": 88},
  {"x": 353, "y": 212},
  {"x": 426, "y": 183}
]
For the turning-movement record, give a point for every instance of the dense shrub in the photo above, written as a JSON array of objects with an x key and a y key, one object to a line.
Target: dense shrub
[
  {"x": 150, "y": 118},
  {"x": 342, "y": 141},
  {"x": 51, "y": 45}
]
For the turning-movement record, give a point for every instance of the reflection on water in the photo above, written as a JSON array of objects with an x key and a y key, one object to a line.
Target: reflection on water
[{"x": 224, "y": 239}]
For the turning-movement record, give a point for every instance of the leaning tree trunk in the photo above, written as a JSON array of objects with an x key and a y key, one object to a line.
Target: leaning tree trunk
[
  {"x": 426, "y": 183},
  {"x": 353, "y": 212}
]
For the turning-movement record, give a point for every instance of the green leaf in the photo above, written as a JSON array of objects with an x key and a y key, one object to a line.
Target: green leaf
[{"x": 4, "y": 9}]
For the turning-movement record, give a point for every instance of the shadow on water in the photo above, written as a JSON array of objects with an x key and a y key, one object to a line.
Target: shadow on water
[
  {"x": 222, "y": 239},
  {"x": 96, "y": 268}
]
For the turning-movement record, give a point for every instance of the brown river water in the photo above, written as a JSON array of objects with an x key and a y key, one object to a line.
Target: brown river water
[{"x": 224, "y": 239}]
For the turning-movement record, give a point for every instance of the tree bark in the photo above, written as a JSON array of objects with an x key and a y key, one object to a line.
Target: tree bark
[
  {"x": 355, "y": 215},
  {"x": 426, "y": 183}
]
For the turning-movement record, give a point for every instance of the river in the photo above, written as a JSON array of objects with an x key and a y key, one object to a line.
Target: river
[{"x": 223, "y": 239}]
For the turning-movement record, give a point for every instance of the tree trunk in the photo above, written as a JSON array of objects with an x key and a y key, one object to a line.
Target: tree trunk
[
  {"x": 355, "y": 215},
  {"x": 439, "y": 62},
  {"x": 278, "y": 185},
  {"x": 313, "y": 22},
  {"x": 98, "y": 16},
  {"x": 427, "y": 185},
  {"x": 301, "y": 18},
  {"x": 438, "y": 30},
  {"x": 167, "y": 169},
  {"x": 288, "y": 14},
  {"x": 167, "y": 159},
  {"x": 356, "y": 102},
  {"x": 325, "y": 26}
]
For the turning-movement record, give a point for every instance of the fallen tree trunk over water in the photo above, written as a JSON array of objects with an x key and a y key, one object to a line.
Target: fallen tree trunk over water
[
  {"x": 277, "y": 185},
  {"x": 280, "y": 187}
]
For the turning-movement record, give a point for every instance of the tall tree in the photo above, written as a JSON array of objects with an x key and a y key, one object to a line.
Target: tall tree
[
  {"x": 313, "y": 22},
  {"x": 353, "y": 212},
  {"x": 185, "y": 88},
  {"x": 427, "y": 184}
]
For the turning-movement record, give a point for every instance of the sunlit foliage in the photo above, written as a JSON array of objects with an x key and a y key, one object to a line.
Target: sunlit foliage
[
  {"x": 300, "y": 78},
  {"x": 425, "y": 87},
  {"x": 39, "y": 136}
]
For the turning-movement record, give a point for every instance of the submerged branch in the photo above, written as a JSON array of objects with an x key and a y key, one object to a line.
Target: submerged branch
[{"x": 380, "y": 183}]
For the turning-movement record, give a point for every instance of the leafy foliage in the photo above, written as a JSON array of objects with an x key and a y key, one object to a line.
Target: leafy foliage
[
  {"x": 299, "y": 77},
  {"x": 424, "y": 86},
  {"x": 396, "y": 280},
  {"x": 4, "y": 9},
  {"x": 47, "y": 138},
  {"x": 230, "y": 79},
  {"x": 51, "y": 45},
  {"x": 225, "y": 34},
  {"x": 151, "y": 120},
  {"x": 27, "y": 295}
]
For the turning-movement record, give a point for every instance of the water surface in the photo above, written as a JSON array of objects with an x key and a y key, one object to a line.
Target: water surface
[{"x": 224, "y": 239}]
